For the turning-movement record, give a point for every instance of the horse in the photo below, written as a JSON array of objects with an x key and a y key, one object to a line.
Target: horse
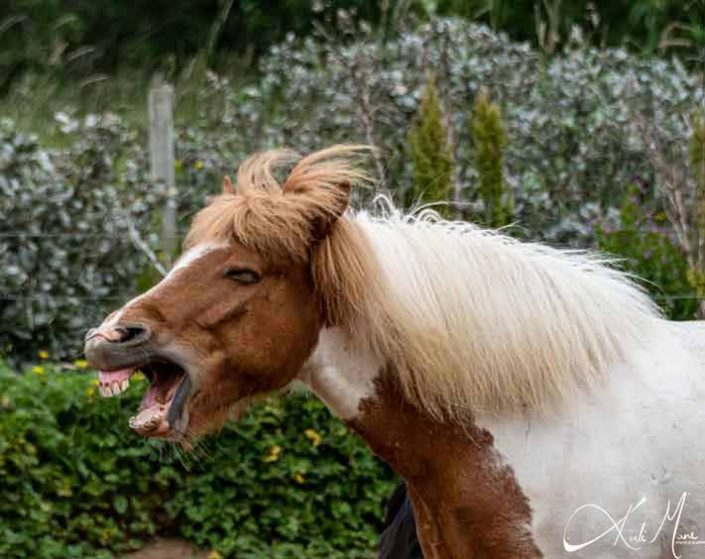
[{"x": 534, "y": 399}]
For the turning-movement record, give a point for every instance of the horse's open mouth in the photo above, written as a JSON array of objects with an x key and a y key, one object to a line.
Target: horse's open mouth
[{"x": 162, "y": 411}]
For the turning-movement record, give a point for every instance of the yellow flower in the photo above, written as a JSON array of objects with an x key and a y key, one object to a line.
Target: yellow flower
[
  {"x": 38, "y": 370},
  {"x": 313, "y": 436},
  {"x": 80, "y": 363},
  {"x": 90, "y": 391},
  {"x": 138, "y": 376},
  {"x": 64, "y": 489},
  {"x": 96, "y": 382},
  {"x": 274, "y": 454},
  {"x": 214, "y": 555},
  {"x": 198, "y": 165},
  {"x": 43, "y": 354},
  {"x": 298, "y": 478}
]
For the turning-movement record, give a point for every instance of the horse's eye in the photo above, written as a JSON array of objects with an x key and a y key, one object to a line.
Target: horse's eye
[{"x": 242, "y": 275}]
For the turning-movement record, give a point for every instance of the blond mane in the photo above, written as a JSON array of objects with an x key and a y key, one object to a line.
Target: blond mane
[{"x": 467, "y": 320}]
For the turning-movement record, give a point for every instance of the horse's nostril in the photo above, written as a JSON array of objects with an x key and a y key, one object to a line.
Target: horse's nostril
[{"x": 133, "y": 332}]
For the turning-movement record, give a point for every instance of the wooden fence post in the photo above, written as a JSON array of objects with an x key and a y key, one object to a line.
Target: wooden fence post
[{"x": 161, "y": 155}]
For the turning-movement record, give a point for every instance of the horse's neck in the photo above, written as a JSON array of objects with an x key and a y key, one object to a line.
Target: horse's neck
[
  {"x": 466, "y": 501},
  {"x": 341, "y": 374}
]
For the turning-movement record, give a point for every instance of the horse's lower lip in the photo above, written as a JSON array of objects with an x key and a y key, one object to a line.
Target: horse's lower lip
[{"x": 151, "y": 421}]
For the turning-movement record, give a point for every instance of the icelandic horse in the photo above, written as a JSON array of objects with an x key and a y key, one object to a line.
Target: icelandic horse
[{"x": 533, "y": 399}]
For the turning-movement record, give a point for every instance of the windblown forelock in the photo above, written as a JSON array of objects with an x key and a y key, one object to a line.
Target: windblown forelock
[
  {"x": 281, "y": 222},
  {"x": 264, "y": 223}
]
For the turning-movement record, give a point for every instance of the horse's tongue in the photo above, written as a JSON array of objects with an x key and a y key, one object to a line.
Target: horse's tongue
[{"x": 108, "y": 377}]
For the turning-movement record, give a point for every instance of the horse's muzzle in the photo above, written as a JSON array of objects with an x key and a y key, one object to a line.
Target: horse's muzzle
[{"x": 116, "y": 346}]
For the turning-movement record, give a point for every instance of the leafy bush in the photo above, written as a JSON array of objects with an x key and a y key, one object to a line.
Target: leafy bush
[
  {"x": 65, "y": 249},
  {"x": 288, "y": 481},
  {"x": 571, "y": 144},
  {"x": 644, "y": 241}
]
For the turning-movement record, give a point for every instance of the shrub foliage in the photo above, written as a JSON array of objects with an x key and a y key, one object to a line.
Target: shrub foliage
[
  {"x": 572, "y": 148},
  {"x": 645, "y": 243},
  {"x": 288, "y": 481},
  {"x": 65, "y": 249}
]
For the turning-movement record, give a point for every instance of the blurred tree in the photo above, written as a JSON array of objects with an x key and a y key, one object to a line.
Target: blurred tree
[
  {"x": 550, "y": 23},
  {"x": 490, "y": 140},
  {"x": 431, "y": 157},
  {"x": 77, "y": 37}
]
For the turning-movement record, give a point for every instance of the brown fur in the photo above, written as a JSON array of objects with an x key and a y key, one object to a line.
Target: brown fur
[
  {"x": 466, "y": 501},
  {"x": 281, "y": 222},
  {"x": 299, "y": 221},
  {"x": 241, "y": 347}
]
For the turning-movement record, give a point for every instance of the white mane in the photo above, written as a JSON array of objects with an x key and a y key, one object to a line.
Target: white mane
[
  {"x": 473, "y": 320},
  {"x": 467, "y": 320}
]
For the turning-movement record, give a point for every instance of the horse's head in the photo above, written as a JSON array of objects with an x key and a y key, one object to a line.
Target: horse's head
[{"x": 240, "y": 311}]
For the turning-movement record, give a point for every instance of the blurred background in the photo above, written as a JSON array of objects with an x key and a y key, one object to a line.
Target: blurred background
[{"x": 576, "y": 123}]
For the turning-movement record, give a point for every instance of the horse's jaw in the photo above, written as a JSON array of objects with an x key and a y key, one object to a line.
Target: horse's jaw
[{"x": 163, "y": 411}]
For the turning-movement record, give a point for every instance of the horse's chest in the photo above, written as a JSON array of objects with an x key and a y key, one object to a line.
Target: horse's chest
[{"x": 619, "y": 476}]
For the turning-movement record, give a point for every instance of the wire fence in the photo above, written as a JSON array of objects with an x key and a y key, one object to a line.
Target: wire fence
[{"x": 31, "y": 296}]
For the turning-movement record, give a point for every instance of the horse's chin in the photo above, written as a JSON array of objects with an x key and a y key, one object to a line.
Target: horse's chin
[{"x": 163, "y": 412}]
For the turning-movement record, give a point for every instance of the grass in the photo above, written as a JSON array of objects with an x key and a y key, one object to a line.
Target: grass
[{"x": 34, "y": 99}]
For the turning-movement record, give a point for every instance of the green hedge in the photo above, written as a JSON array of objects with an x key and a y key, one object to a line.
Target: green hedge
[
  {"x": 288, "y": 481},
  {"x": 646, "y": 246}
]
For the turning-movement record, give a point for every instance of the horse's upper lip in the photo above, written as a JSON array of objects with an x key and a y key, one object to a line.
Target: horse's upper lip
[{"x": 105, "y": 355}]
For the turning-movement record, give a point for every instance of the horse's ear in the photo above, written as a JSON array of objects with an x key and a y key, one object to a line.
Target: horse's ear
[
  {"x": 341, "y": 199},
  {"x": 336, "y": 203},
  {"x": 228, "y": 187},
  {"x": 323, "y": 205}
]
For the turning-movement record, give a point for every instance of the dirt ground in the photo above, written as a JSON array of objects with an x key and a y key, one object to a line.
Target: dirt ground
[{"x": 162, "y": 548}]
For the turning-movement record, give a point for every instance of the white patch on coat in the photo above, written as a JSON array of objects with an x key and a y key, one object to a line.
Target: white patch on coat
[
  {"x": 187, "y": 259},
  {"x": 484, "y": 321},
  {"x": 192, "y": 255},
  {"x": 641, "y": 437},
  {"x": 340, "y": 373}
]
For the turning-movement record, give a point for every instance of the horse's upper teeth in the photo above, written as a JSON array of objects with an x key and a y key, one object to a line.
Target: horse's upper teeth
[{"x": 114, "y": 388}]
